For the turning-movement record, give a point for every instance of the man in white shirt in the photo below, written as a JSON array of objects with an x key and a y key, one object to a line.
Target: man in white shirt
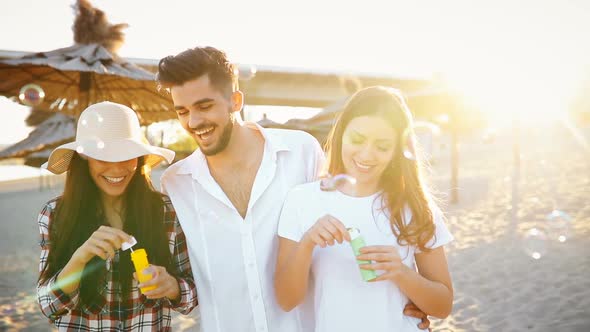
[{"x": 229, "y": 193}]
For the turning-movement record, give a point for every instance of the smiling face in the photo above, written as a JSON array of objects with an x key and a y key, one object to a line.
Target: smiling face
[
  {"x": 112, "y": 178},
  {"x": 368, "y": 146},
  {"x": 206, "y": 113}
]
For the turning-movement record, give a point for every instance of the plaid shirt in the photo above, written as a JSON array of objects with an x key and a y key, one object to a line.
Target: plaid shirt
[{"x": 137, "y": 313}]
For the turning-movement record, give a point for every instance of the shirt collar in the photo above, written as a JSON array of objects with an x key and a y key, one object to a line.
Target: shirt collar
[{"x": 196, "y": 163}]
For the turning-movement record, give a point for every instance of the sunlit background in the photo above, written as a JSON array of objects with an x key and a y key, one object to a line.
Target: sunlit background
[
  {"x": 524, "y": 178},
  {"x": 528, "y": 57}
]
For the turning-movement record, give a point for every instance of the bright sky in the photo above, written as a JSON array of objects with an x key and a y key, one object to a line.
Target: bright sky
[{"x": 496, "y": 51}]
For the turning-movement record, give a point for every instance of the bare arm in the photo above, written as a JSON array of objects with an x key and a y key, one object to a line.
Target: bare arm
[
  {"x": 294, "y": 259},
  {"x": 292, "y": 273},
  {"x": 430, "y": 289},
  {"x": 59, "y": 293},
  {"x": 102, "y": 243}
]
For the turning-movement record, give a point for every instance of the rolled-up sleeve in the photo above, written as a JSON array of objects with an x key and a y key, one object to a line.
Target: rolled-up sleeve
[{"x": 184, "y": 275}]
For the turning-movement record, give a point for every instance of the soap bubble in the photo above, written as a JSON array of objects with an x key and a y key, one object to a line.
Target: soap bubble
[
  {"x": 558, "y": 225},
  {"x": 535, "y": 243},
  {"x": 336, "y": 182},
  {"x": 31, "y": 95}
]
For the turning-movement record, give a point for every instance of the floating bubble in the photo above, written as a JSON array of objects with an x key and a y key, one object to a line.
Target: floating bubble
[
  {"x": 100, "y": 144},
  {"x": 425, "y": 134},
  {"x": 333, "y": 183},
  {"x": 80, "y": 149},
  {"x": 408, "y": 144},
  {"x": 535, "y": 243},
  {"x": 31, "y": 95},
  {"x": 558, "y": 225},
  {"x": 442, "y": 118},
  {"x": 246, "y": 72},
  {"x": 84, "y": 123}
]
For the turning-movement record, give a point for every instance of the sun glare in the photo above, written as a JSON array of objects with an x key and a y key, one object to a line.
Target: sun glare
[
  {"x": 506, "y": 95},
  {"x": 526, "y": 84}
]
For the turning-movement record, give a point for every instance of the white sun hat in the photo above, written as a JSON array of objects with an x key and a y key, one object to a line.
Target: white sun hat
[{"x": 109, "y": 132}]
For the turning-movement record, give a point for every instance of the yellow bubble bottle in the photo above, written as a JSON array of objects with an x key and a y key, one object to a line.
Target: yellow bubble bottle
[{"x": 140, "y": 262}]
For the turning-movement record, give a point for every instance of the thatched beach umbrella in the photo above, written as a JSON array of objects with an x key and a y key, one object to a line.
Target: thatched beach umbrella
[
  {"x": 52, "y": 132},
  {"x": 87, "y": 72}
]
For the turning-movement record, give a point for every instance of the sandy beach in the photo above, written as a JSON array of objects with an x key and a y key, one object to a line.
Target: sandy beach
[{"x": 498, "y": 285}]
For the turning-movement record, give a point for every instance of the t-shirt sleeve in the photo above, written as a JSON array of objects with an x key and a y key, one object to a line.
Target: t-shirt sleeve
[
  {"x": 290, "y": 226},
  {"x": 442, "y": 235}
]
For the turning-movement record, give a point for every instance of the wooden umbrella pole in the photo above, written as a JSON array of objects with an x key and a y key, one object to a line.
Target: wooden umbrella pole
[
  {"x": 84, "y": 88},
  {"x": 454, "y": 165},
  {"x": 515, "y": 172}
]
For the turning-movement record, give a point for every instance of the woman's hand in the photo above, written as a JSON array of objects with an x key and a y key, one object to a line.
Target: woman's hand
[
  {"x": 325, "y": 232},
  {"x": 102, "y": 243},
  {"x": 413, "y": 311},
  {"x": 385, "y": 258},
  {"x": 166, "y": 285}
]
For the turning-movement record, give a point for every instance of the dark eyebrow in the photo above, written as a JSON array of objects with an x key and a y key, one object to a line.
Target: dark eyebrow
[{"x": 196, "y": 103}]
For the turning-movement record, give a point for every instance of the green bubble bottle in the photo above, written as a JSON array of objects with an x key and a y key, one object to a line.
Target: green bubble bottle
[{"x": 357, "y": 242}]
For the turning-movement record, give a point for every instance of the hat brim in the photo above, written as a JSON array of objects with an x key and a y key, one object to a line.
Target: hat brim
[{"x": 111, "y": 151}]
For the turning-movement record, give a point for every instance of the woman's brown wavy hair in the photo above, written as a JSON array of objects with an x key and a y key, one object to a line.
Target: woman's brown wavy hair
[{"x": 401, "y": 181}]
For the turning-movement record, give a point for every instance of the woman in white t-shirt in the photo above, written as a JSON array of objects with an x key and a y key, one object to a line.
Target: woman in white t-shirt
[{"x": 403, "y": 229}]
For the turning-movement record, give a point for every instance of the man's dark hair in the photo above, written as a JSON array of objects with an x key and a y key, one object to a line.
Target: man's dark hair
[{"x": 193, "y": 63}]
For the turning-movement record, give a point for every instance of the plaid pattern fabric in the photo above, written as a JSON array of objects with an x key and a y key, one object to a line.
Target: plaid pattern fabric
[{"x": 137, "y": 313}]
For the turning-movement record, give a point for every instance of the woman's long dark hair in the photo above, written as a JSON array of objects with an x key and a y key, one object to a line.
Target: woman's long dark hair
[
  {"x": 401, "y": 181},
  {"x": 78, "y": 215}
]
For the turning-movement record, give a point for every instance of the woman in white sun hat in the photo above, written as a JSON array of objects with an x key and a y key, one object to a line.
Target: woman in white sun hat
[{"x": 86, "y": 281}]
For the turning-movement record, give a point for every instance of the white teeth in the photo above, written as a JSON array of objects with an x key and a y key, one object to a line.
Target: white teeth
[
  {"x": 361, "y": 165},
  {"x": 201, "y": 132},
  {"x": 114, "y": 180}
]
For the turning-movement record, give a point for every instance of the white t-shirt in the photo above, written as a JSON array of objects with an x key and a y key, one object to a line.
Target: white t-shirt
[{"x": 338, "y": 297}]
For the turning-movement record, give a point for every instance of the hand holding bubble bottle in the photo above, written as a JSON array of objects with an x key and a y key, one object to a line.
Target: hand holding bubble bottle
[
  {"x": 140, "y": 262},
  {"x": 357, "y": 242},
  {"x": 333, "y": 183}
]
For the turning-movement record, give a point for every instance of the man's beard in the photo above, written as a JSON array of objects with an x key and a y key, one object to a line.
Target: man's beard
[{"x": 223, "y": 139}]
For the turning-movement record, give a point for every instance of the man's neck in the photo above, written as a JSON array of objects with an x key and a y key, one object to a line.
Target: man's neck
[{"x": 236, "y": 153}]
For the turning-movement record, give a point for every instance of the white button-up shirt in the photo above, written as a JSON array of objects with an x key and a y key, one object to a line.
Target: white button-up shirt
[{"x": 233, "y": 259}]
